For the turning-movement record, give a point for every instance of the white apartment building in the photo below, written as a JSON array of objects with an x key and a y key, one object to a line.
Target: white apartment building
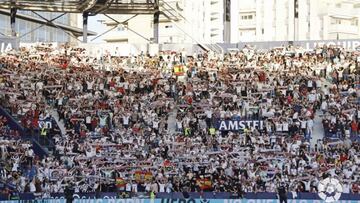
[
  {"x": 194, "y": 21},
  {"x": 186, "y": 21},
  {"x": 274, "y": 20}
]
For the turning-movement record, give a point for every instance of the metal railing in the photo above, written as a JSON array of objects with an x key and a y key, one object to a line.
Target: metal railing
[{"x": 80, "y": 6}]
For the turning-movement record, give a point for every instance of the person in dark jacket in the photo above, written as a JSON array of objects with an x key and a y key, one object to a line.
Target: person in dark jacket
[
  {"x": 69, "y": 194},
  {"x": 282, "y": 193}
]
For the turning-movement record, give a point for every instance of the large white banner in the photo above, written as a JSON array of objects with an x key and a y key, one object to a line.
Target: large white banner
[{"x": 8, "y": 43}]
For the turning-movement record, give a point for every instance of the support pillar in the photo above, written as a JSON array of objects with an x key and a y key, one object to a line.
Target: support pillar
[
  {"x": 227, "y": 21},
  {"x": 156, "y": 22},
  {"x": 296, "y": 20},
  {"x": 12, "y": 21},
  {"x": 85, "y": 27}
]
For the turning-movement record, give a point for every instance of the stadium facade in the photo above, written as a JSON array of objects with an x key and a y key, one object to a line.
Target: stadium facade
[
  {"x": 43, "y": 34},
  {"x": 209, "y": 22},
  {"x": 223, "y": 21}
]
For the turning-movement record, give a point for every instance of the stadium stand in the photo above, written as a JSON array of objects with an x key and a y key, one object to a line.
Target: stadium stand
[{"x": 240, "y": 123}]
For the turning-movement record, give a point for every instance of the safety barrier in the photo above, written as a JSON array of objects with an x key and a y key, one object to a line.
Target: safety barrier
[
  {"x": 179, "y": 197},
  {"x": 110, "y": 200},
  {"x": 15, "y": 125}
]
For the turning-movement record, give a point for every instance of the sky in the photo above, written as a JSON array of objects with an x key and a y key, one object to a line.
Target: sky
[{"x": 95, "y": 26}]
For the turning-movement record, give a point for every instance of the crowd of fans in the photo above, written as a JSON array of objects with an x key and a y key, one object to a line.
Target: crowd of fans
[{"x": 151, "y": 124}]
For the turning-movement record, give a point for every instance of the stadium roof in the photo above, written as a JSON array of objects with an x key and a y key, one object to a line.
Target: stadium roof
[
  {"x": 80, "y": 6},
  {"x": 74, "y": 30}
]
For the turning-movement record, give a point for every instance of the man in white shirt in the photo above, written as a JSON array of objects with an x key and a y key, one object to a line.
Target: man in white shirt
[{"x": 126, "y": 118}]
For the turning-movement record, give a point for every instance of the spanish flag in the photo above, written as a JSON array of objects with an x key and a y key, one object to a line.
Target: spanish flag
[
  {"x": 138, "y": 176},
  {"x": 179, "y": 70},
  {"x": 148, "y": 175},
  {"x": 204, "y": 183},
  {"x": 120, "y": 182}
]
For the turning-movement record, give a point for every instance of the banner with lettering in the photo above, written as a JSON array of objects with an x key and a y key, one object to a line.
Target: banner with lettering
[
  {"x": 79, "y": 199},
  {"x": 238, "y": 125},
  {"x": 8, "y": 43},
  {"x": 192, "y": 197}
]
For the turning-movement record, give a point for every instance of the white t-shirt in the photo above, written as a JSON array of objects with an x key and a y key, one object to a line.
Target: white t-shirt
[
  {"x": 278, "y": 127},
  {"x": 103, "y": 120},
  {"x": 147, "y": 187},
  {"x": 126, "y": 120},
  {"x": 324, "y": 105},
  {"x": 40, "y": 85},
  {"x": 285, "y": 126},
  {"x": 134, "y": 187},
  {"x": 30, "y": 153},
  {"x": 101, "y": 86},
  {"x": 208, "y": 114},
  {"x": 155, "y": 124},
  {"x": 15, "y": 167},
  {"x": 312, "y": 98},
  {"x": 179, "y": 124},
  {"x": 32, "y": 187},
  {"x": 89, "y": 85},
  {"x": 128, "y": 187},
  {"x": 309, "y": 124},
  {"x": 88, "y": 120},
  {"x": 318, "y": 84},
  {"x": 310, "y": 83},
  {"x": 303, "y": 124},
  {"x": 161, "y": 187},
  {"x": 346, "y": 188},
  {"x": 60, "y": 101}
]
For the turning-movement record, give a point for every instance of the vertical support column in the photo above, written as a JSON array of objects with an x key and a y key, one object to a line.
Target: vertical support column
[
  {"x": 296, "y": 20},
  {"x": 12, "y": 21},
  {"x": 156, "y": 22},
  {"x": 85, "y": 27},
  {"x": 227, "y": 21}
]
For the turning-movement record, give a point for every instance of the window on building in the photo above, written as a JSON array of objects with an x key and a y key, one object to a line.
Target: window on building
[
  {"x": 332, "y": 21},
  {"x": 168, "y": 26},
  {"x": 355, "y": 22},
  {"x": 335, "y": 21},
  {"x": 247, "y": 17},
  {"x": 338, "y": 5},
  {"x": 120, "y": 28}
]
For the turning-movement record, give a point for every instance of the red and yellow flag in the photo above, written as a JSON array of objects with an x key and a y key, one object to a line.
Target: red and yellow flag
[
  {"x": 204, "y": 183},
  {"x": 120, "y": 182}
]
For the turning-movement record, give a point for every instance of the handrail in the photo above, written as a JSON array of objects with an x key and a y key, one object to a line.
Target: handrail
[{"x": 15, "y": 125}]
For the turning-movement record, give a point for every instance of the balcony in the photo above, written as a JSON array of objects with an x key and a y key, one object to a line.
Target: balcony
[
  {"x": 343, "y": 13},
  {"x": 212, "y": 2},
  {"x": 348, "y": 29},
  {"x": 247, "y": 24},
  {"x": 247, "y": 9},
  {"x": 115, "y": 36}
]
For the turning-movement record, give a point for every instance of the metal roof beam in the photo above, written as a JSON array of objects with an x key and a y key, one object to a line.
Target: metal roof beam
[
  {"x": 57, "y": 26},
  {"x": 87, "y": 5},
  {"x": 74, "y": 30},
  {"x": 91, "y": 6}
]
